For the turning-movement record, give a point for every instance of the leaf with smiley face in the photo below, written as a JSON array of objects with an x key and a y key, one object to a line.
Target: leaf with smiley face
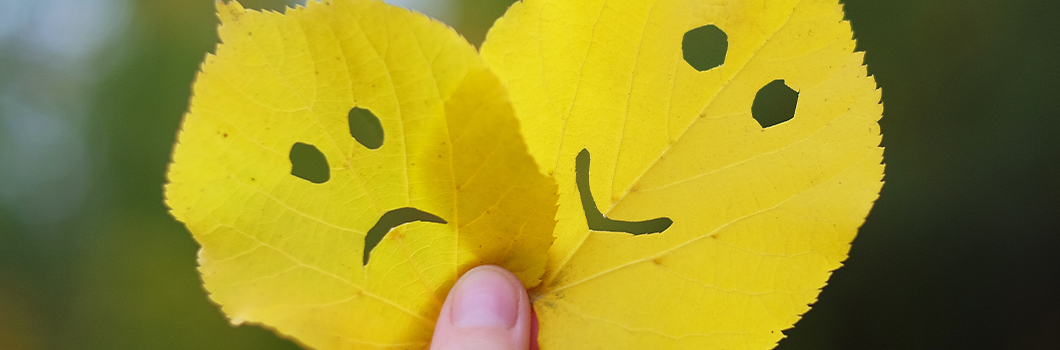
[
  {"x": 342, "y": 164},
  {"x": 691, "y": 214}
]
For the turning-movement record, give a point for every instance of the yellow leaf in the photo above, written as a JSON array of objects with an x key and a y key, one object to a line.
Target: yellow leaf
[
  {"x": 760, "y": 215},
  {"x": 285, "y": 247}
]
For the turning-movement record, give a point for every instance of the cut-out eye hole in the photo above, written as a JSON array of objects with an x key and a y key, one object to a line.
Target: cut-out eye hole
[
  {"x": 308, "y": 163},
  {"x": 774, "y": 104},
  {"x": 392, "y": 219},
  {"x": 366, "y": 128},
  {"x": 705, "y": 47},
  {"x": 596, "y": 220}
]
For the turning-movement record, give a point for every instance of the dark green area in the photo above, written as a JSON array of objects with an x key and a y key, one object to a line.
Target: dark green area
[
  {"x": 960, "y": 252},
  {"x": 596, "y": 220},
  {"x": 366, "y": 128},
  {"x": 705, "y": 47},
  {"x": 308, "y": 163},
  {"x": 774, "y": 104},
  {"x": 392, "y": 219}
]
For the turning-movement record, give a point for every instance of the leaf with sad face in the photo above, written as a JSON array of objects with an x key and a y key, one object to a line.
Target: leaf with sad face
[{"x": 313, "y": 133}]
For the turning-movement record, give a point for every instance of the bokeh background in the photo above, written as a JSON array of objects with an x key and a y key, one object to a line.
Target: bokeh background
[{"x": 962, "y": 251}]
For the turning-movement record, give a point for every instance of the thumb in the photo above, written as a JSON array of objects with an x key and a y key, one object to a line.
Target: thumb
[{"x": 487, "y": 309}]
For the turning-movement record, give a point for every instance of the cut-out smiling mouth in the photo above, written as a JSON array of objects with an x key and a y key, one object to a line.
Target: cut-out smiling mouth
[
  {"x": 596, "y": 220},
  {"x": 391, "y": 220}
]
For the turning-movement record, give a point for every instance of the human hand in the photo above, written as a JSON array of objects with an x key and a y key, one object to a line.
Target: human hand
[{"x": 487, "y": 309}]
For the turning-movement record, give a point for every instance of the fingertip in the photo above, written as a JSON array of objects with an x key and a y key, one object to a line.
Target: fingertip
[
  {"x": 486, "y": 298},
  {"x": 488, "y": 308}
]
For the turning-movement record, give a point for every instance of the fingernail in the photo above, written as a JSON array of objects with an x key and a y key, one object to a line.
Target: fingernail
[{"x": 485, "y": 297}]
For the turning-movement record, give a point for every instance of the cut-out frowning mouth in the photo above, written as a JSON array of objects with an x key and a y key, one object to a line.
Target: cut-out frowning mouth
[{"x": 391, "y": 220}]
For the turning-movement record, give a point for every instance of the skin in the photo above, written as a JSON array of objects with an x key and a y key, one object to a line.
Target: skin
[{"x": 487, "y": 309}]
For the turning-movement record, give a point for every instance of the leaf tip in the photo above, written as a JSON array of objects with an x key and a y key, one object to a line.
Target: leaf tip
[{"x": 231, "y": 11}]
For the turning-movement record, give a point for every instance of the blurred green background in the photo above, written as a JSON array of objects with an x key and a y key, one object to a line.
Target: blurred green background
[{"x": 962, "y": 250}]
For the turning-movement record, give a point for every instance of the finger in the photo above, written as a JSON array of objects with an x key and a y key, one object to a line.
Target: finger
[{"x": 487, "y": 309}]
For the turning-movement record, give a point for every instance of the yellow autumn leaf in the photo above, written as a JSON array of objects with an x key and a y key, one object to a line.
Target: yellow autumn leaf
[
  {"x": 407, "y": 123},
  {"x": 759, "y": 214}
]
